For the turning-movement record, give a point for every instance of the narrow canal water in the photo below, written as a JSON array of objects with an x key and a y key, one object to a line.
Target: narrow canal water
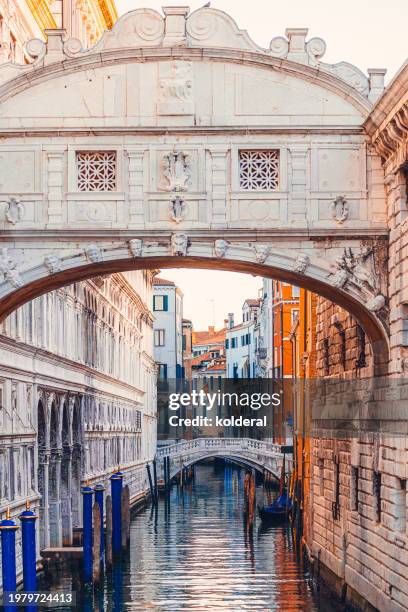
[{"x": 195, "y": 554}]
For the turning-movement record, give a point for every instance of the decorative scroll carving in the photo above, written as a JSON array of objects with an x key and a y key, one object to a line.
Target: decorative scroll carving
[
  {"x": 339, "y": 209},
  {"x": 8, "y": 267},
  {"x": 301, "y": 263},
  {"x": 177, "y": 170},
  {"x": 15, "y": 211},
  {"x": 213, "y": 28},
  {"x": 261, "y": 252},
  {"x": 36, "y": 49},
  {"x": 179, "y": 243},
  {"x": 93, "y": 253},
  {"x": 53, "y": 264},
  {"x": 392, "y": 138},
  {"x": 220, "y": 247},
  {"x": 139, "y": 28},
  {"x": 136, "y": 247}
]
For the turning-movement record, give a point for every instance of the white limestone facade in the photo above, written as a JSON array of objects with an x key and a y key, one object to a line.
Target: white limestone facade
[{"x": 78, "y": 399}]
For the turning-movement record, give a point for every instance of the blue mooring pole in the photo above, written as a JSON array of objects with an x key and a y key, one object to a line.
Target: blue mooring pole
[
  {"x": 28, "y": 518},
  {"x": 87, "y": 532},
  {"x": 8, "y": 553},
  {"x": 99, "y": 489},
  {"x": 116, "y": 491}
]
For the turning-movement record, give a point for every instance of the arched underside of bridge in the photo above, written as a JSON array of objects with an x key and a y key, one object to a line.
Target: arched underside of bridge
[
  {"x": 281, "y": 265},
  {"x": 239, "y": 461}
]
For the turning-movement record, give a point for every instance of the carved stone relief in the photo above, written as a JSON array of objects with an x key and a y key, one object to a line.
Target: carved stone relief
[
  {"x": 176, "y": 88},
  {"x": 339, "y": 209},
  {"x": 220, "y": 247},
  {"x": 52, "y": 263},
  {"x": 301, "y": 263},
  {"x": 8, "y": 267},
  {"x": 136, "y": 247},
  {"x": 179, "y": 243},
  {"x": 15, "y": 211}
]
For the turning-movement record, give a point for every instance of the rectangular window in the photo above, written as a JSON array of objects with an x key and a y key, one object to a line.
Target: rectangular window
[
  {"x": 159, "y": 337},
  {"x": 96, "y": 170},
  {"x": 295, "y": 291},
  {"x": 160, "y": 302},
  {"x": 294, "y": 315},
  {"x": 377, "y": 496},
  {"x": 184, "y": 342},
  {"x": 242, "y": 340},
  {"x": 162, "y": 371},
  {"x": 259, "y": 170},
  {"x": 227, "y": 343},
  {"x": 354, "y": 485}
]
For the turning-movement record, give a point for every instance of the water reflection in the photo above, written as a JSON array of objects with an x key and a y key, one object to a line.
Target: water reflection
[{"x": 195, "y": 553}]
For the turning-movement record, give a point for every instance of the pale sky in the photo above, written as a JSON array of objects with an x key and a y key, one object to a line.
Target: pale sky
[
  {"x": 366, "y": 33},
  {"x": 209, "y": 295}
]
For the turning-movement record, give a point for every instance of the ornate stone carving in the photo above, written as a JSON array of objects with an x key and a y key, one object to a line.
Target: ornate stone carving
[
  {"x": 8, "y": 267},
  {"x": 36, "y": 49},
  {"x": 15, "y": 211},
  {"x": 220, "y": 247},
  {"x": 176, "y": 89},
  {"x": 179, "y": 243},
  {"x": 52, "y": 263},
  {"x": 177, "y": 170},
  {"x": 358, "y": 269},
  {"x": 376, "y": 303},
  {"x": 339, "y": 209},
  {"x": 301, "y": 263},
  {"x": 136, "y": 247},
  {"x": 93, "y": 253},
  {"x": 261, "y": 252},
  {"x": 177, "y": 208}
]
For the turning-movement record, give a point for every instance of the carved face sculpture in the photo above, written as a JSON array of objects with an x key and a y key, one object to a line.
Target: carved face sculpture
[
  {"x": 261, "y": 252},
  {"x": 179, "y": 244},
  {"x": 52, "y": 263},
  {"x": 135, "y": 246},
  {"x": 301, "y": 263},
  {"x": 93, "y": 253},
  {"x": 220, "y": 247}
]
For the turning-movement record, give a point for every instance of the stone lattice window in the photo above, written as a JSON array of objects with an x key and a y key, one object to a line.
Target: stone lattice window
[
  {"x": 96, "y": 170},
  {"x": 259, "y": 170}
]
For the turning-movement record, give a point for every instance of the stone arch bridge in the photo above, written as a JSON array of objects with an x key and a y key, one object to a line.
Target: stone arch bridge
[
  {"x": 177, "y": 141},
  {"x": 260, "y": 455}
]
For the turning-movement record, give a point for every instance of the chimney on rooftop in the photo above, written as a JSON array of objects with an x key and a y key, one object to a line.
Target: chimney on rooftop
[
  {"x": 230, "y": 320},
  {"x": 211, "y": 329}
]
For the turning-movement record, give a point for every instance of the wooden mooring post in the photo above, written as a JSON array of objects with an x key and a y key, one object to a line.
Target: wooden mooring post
[
  {"x": 108, "y": 547},
  {"x": 125, "y": 517},
  {"x": 96, "y": 545}
]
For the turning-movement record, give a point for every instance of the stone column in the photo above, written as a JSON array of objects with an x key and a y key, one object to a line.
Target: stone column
[
  {"x": 135, "y": 182},
  {"x": 45, "y": 501},
  {"x": 55, "y": 500},
  {"x": 55, "y": 169},
  {"x": 219, "y": 214},
  {"x": 66, "y": 497}
]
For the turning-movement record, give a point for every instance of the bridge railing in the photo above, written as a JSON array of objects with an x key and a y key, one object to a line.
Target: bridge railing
[{"x": 228, "y": 444}]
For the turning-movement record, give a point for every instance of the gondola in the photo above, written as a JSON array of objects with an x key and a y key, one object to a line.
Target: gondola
[{"x": 277, "y": 512}]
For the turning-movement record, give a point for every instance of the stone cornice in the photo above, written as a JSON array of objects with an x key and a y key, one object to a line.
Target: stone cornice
[
  {"x": 249, "y": 235},
  {"x": 227, "y": 130},
  {"x": 88, "y": 372},
  {"x": 387, "y": 124}
]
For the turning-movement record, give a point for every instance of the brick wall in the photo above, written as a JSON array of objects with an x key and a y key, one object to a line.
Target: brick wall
[{"x": 361, "y": 542}]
